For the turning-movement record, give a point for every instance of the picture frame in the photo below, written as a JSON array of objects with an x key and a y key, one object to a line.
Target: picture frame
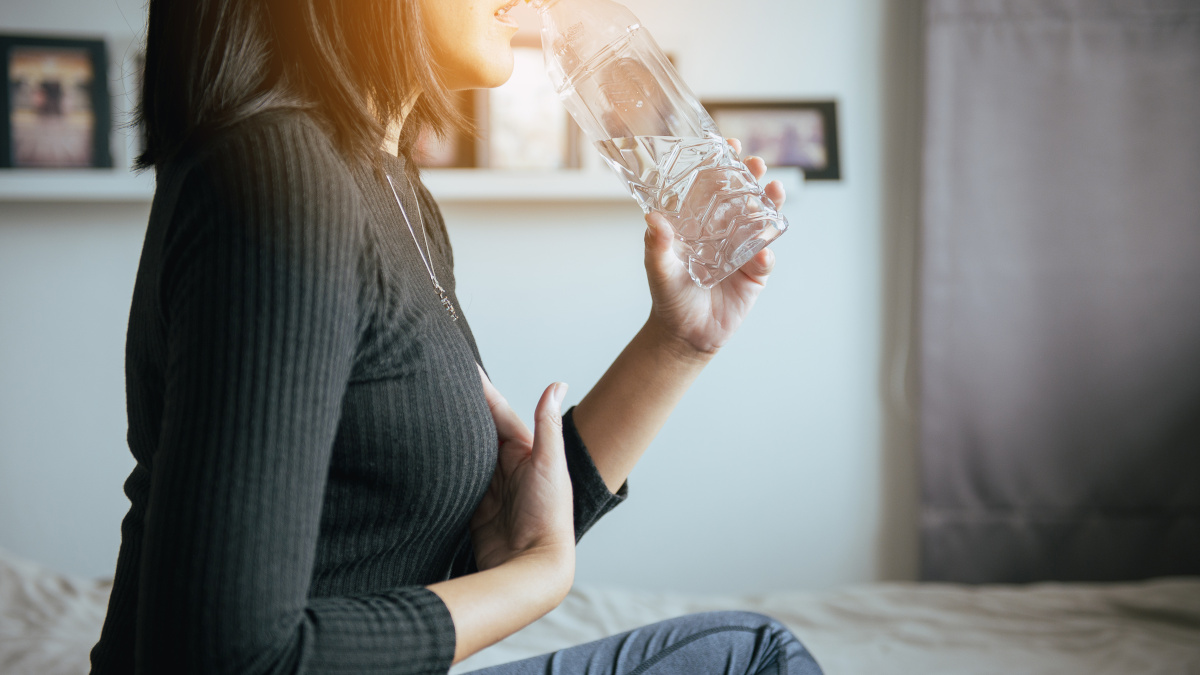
[
  {"x": 521, "y": 125},
  {"x": 802, "y": 134},
  {"x": 525, "y": 126},
  {"x": 55, "y": 108},
  {"x": 458, "y": 150}
]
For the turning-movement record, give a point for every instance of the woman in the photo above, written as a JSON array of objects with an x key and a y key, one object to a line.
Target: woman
[{"x": 326, "y": 480}]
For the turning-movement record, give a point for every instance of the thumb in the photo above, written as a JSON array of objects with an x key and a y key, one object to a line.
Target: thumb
[
  {"x": 547, "y": 431},
  {"x": 659, "y": 239}
]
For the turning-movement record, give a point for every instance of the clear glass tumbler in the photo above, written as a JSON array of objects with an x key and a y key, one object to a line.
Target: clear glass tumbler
[{"x": 651, "y": 129}]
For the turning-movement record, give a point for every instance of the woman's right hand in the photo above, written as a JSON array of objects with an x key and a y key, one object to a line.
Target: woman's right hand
[{"x": 527, "y": 511}]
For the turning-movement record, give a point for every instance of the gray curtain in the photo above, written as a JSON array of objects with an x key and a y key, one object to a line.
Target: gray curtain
[{"x": 1060, "y": 290}]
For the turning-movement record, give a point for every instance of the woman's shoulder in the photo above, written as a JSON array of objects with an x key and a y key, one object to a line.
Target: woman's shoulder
[
  {"x": 285, "y": 143},
  {"x": 275, "y": 170},
  {"x": 272, "y": 192}
]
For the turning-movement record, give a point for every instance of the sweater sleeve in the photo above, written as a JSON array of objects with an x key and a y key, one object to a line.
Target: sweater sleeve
[
  {"x": 593, "y": 499},
  {"x": 260, "y": 297}
]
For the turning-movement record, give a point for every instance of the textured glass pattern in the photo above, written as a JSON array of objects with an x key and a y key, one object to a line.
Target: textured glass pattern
[
  {"x": 720, "y": 215},
  {"x": 630, "y": 102}
]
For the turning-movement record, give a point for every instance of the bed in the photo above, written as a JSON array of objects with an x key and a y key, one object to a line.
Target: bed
[{"x": 49, "y": 621}]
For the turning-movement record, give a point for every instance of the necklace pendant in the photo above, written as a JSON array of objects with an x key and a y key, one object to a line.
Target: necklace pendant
[
  {"x": 449, "y": 306},
  {"x": 446, "y": 304}
]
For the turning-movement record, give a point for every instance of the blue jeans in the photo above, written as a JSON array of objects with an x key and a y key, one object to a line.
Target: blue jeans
[{"x": 713, "y": 643}]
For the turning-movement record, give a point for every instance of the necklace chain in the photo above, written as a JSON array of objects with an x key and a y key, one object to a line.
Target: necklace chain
[{"x": 428, "y": 262}]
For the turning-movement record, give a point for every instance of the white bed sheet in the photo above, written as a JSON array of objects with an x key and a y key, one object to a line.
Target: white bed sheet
[
  {"x": 1148, "y": 628},
  {"x": 49, "y": 622}
]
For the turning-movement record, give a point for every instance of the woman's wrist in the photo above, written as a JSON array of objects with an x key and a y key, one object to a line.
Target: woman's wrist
[
  {"x": 552, "y": 568},
  {"x": 490, "y": 605},
  {"x": 659, "y": 337}
]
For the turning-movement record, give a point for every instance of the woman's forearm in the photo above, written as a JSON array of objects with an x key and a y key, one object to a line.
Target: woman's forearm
[
  {"x": 489, "y": 606},
  {"x": 623, "y": 413}
]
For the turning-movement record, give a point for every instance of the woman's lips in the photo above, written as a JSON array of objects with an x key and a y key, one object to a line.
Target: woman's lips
[{"x": 503, "y": 17}]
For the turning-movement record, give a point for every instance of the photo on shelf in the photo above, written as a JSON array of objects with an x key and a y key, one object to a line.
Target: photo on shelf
[
  {"x": 526, "y": 125},
  {"x": 520, "y": 125},
  {"x": 456, "y": 150},
  {"x": 803, "y": 134},
  {"x": 55, "y": 108}
]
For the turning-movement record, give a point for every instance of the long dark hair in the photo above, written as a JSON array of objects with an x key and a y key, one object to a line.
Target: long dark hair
[{"x": 352, "y": 63}]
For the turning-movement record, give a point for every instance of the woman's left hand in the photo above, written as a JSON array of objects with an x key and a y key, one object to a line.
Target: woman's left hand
[
  {"x": 697, "y": 319},
  {"x": 527, "y": 509}
]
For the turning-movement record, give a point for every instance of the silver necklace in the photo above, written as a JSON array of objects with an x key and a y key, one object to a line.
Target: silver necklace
[{"x": 449, "y": 306}]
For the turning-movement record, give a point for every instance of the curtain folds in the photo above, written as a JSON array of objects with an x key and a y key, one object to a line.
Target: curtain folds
[{"x": 1060, "y": 292}]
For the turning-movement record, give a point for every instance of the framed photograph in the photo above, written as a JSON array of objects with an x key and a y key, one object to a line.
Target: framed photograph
[
  {"x": 55, "y": 108},
  {"x": 784, "y": 133},
  {"x": 526, "y": 125},
  {"x": 458, "y": 151}
]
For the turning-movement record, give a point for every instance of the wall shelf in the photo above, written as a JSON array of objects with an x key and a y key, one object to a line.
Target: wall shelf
[
  {"x": 482, "y": 185},
  {"x": 447, "y": 185},
  {"x": 450, "y": 185},
  {"x": 75, "y": 185}
]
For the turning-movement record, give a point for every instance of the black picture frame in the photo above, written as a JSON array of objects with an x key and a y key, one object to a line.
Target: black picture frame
[
  {"x": 458, "y": 150},
  {"x": 41, "y": 127},
  {"x": 802, "y": 134}
]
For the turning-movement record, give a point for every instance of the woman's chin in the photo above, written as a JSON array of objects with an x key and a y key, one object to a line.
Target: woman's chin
[
  {"x": 498, "y": 72},
  {"x": 486, "y": 68}
]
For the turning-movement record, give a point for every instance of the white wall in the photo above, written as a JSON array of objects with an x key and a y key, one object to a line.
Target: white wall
[{"x": 785, "y": 467}]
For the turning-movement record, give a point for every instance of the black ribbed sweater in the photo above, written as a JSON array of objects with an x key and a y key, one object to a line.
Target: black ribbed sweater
[{"x": 309, "y": 427}]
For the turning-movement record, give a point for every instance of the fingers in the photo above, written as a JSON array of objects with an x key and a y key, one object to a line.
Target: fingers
[
  {"x": 547, "y": 429},
  {"x": 659, "y": 238},
  {"x": 760, "y": 266},
  {"x": 756, "y": 164},
  {"x": 775, "y": 192},
  {"x": 757, "y": 167},
  {"x": 508, "y": 423}
]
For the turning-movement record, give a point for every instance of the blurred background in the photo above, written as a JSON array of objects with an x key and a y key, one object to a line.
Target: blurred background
[{"x": 798, "y": 460}]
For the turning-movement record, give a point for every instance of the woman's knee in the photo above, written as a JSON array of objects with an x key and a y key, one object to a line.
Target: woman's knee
[
  {"x": 769, "y": 629},
  {"x": 774, "y": 628},
  {"x": 752, "y": 620},
  {"x": 775, "y": 641},
  {"x": 757, "y": 643}
]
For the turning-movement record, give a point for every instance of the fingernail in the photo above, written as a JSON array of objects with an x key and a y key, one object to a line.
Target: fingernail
[{"x": 560, "y": 393}]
